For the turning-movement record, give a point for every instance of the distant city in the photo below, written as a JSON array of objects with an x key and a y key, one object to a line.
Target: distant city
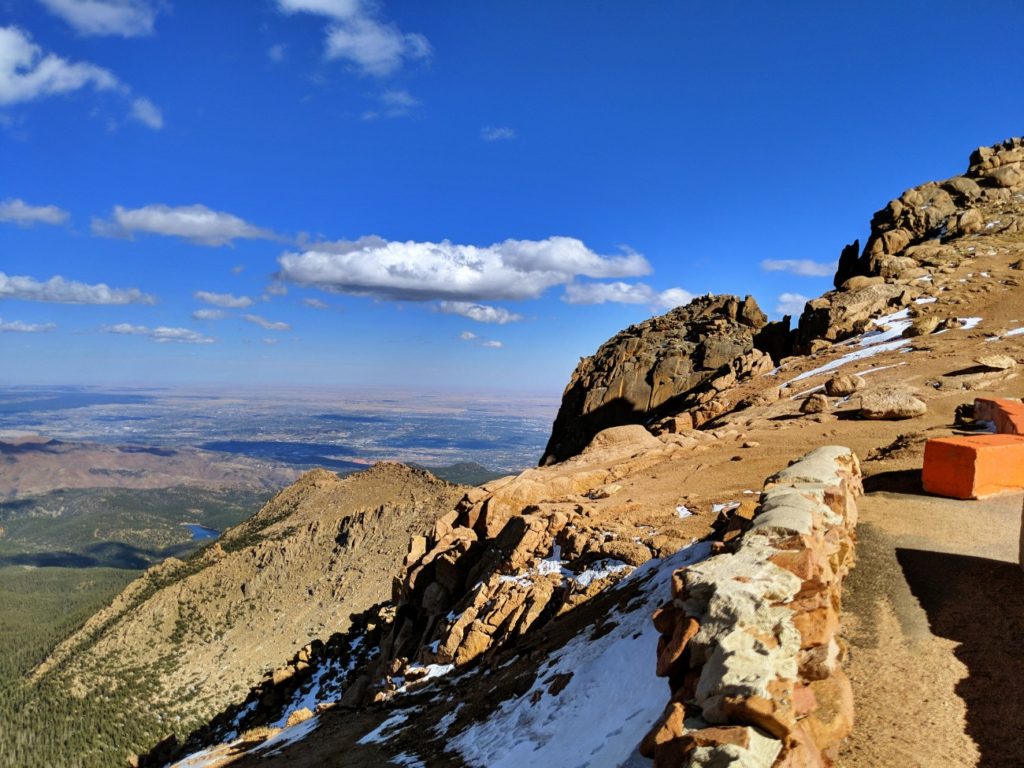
[{"x": 301, "y": 428}]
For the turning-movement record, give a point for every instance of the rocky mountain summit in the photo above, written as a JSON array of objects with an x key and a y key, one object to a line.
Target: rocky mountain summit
[{"x": 662, "y": 586}]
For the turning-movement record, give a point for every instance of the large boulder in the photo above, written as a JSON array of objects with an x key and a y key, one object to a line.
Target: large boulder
[{"x": 643, "y": 371}]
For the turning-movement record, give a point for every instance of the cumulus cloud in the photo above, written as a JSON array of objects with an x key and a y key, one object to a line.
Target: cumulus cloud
[
  {"x": 17, "y": 326},
  {"x": 482, "y": 313},
  {"x": 492, "y": 344},
  {"x": 25, "y": 215},
  {"x": 195, "y": 223},
  {"x": 161, "y": 334},
  {"x": 315, "y": 303},
  {"x": 27, "y": 74},
  {"x": 803, "y": 267},
  {"x": 791, "y": 304},
  {"x": 60, "y": 291},
  {"x": 467, "y": 336},
  {"x": 422, "y": 271},
  {"x": 223, "y": 299},
  {"x": 147, "y": 113},
  {"x": 492, "y": 133},
  {"x": 625, "y": 293},
  {"x": 267, "y": 325},
  {"x": 126, "y": 18},
  {"x": 355, "y": 35},
  {"x": 209, "y": 314}
]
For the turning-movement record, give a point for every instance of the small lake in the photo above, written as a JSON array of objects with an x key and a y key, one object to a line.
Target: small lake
[{"x": 201, "y": 532}]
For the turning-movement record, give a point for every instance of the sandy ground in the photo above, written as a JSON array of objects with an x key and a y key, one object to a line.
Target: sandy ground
[{"x": 934, "y": 616}]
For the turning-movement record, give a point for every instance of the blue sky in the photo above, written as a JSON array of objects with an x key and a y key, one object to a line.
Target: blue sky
[{"x": 450, "y": 194}]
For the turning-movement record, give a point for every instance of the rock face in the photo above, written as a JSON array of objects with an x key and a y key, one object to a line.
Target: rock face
[{"x": 648, "y": 369}]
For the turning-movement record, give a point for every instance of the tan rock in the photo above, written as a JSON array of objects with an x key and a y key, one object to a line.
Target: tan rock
[
  {"x": 298, "y": 716},
  {"x": 996, "y": 362},
  {"x": 843, "y": 386},
  {"x": 890, "y": 403},
  {"x": 815, "y": 403}
]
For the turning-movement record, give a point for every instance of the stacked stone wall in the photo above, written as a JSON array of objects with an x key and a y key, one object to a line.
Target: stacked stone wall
[{"x": 750, "y": 638}]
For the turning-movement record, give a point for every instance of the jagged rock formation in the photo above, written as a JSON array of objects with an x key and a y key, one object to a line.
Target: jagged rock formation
[
  {"x": 927, "y": 230},
  {"x": 195, "y": 636},
  {"x": 649, "y": 368}
]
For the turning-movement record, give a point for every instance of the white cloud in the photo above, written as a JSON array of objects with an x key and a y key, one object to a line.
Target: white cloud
[
  {"x": 267, "y": 325},
  {"x": 195, "y": 223},
  {"x": 625, "y": 293},
  {"x": 276, "y": 289},
  {"x": 161, "y": 334},
  {"x": 127, "y": 18},
  {"x": 421, "y": 271},
  {"x": 61, "y": 291},
  {"x": 491, "y": 133},
  {"x": 482, "y": 313},
  {"x": 24, "y": 215},
  {"x": 17, "y": 326},
  {"x": 803, "y": 267},
  {"x": 791, "y": 304},
  {"x": 277, "y": 52},
  {"x": 374, "y": 47},
  {"x": 223, "y": 299},
  {"x": 396, "y": 103},
  {"x": 26, "y": 74},
  {"x": 315, "y": 303},
  {"x": 492, "y": 344},
  {"x": 147, "y": 113},
  {"x": 467, "y": 336},
  {"x": 209, "y": 314}
]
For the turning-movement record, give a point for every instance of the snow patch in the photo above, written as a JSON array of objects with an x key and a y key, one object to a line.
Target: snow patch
[
  {"x": 288, "y": 736},
  {"x": 607, "y": 706},
  {"x": 382, "y": 732}
]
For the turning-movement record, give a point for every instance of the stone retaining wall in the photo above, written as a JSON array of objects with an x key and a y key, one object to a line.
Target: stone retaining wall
[{"x": 749, "y": 640}]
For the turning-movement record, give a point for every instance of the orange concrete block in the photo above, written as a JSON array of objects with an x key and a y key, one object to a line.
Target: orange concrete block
[
  {"x": 973, "y": 467},
  {"x": 1007, "y": 415}
]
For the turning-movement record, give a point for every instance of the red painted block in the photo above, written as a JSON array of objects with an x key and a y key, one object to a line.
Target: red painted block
[
  {"x": 973, "y": 467},
  {"x": 1007, "y": 415}
]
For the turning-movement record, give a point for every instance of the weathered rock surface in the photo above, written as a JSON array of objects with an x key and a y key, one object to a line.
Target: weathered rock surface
[
  {"x": 648, "y": 369},
  {"x": 843, "y": 386},
  {"x": 890, "y": 403},
  {"x": 749, "y": 639}
]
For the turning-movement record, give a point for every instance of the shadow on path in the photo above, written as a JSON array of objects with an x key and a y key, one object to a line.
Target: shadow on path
[{"x": 979, "y": 603}]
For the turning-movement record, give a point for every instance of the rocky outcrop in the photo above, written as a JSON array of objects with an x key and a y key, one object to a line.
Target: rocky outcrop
[
  {"x": 648, "y": 369},
  {"x": 749, "y": 639},
  {"x": 518, "y": 552},
  {"x": 922, "y": 233}
]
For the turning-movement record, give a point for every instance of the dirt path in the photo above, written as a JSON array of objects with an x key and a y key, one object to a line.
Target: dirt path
[{"x": 934, "y": 615}]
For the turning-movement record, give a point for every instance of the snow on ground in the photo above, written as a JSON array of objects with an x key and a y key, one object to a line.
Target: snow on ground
[
  {"x": 279, "y": 741},
  {"x": 408, "y": 761},
  {"x": 887, "y": 337},
  {"x": 607, "y": 706},
  {"x": 382, "y": 733}
]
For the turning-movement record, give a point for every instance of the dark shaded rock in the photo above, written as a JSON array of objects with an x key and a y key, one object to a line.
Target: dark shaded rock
[{"x": 645, "y": 371}]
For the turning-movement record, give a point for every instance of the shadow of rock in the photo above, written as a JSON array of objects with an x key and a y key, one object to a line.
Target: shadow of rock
[{"x": 979, "y": 603}]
